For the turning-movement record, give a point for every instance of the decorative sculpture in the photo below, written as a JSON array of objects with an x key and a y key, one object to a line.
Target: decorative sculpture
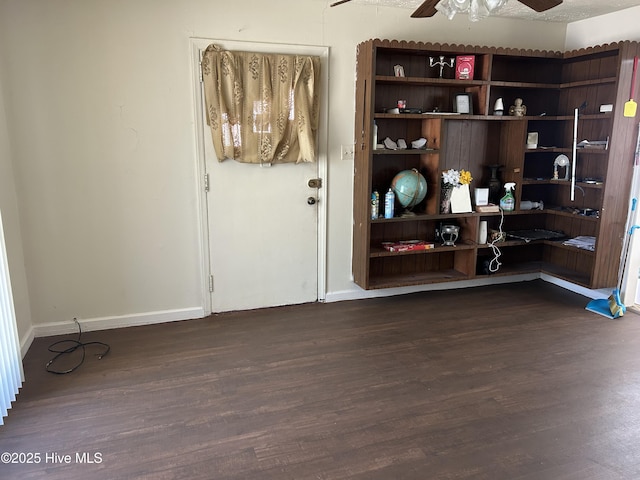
[
  {"x": 518, "y": 109},
  {"x": 442, "y": 63}
]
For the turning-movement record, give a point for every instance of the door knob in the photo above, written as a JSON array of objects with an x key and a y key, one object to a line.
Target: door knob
[{"x": 311, "y": 201}]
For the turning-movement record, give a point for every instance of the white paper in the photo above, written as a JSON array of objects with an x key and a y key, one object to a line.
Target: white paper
[{"x": 461, "y": 199}]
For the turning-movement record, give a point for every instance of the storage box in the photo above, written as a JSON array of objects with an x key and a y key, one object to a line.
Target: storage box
[{"x": 464, "y": 67}]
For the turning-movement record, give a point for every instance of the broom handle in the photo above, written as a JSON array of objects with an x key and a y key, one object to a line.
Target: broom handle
[
  {"x": 636, "y": 158},
  {"x": 625, "y": 244},
  {"x": 633, "y": 77},
  {"x": 629, "y": 227}
]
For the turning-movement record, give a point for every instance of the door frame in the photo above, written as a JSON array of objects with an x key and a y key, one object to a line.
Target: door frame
[{"x": 198, "y": 45}]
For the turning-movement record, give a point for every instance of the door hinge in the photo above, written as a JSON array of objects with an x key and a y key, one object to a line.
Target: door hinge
[
  {"x": 210, "y": 283},
  {"x": 206, "y": 182}
]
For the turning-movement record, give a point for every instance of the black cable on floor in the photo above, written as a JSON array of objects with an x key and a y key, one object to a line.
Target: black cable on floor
[{"x": 74, "y": 345}]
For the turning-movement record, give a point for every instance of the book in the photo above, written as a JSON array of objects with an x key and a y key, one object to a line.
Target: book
[
  {"x": 491, "y": 208},
  {"x": 464, "y": 67},
  {"x": 407, "y": 245}
]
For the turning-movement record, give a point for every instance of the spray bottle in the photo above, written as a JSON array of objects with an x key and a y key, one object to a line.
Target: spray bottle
[
  {"x": 375, "y": 205},
  {"x": 389, "y": 203},
  {"x": 508, "y": 203}
]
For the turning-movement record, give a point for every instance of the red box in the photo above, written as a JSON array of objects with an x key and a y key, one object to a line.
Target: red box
[
  {"x": 407, "y": 245},
  {"x": 464, "y": 67}
]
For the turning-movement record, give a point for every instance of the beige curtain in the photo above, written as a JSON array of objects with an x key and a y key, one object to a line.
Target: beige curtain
[{"x": 262, "y": 108}]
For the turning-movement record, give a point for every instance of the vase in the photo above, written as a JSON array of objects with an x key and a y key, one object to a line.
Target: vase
[
  {"x": 495, "y": 186},
  {"x": 445, "y": 200}
]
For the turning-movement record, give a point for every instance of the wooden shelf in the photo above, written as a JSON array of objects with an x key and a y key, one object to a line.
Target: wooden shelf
[
  {"x": 406, "y": 280},
  {"x": 559, "y": 244},
  {"x": 377, "y": 252},
  {"x": 561, "y": 183},
  {"x": 507, "y": 269},
  {"x": 590, "y": 83},
  {"x": 565, "y": 274},
  {"x": 498, "y": 118},
  {"x": 526, "y": 85},
  {"x": 407, "y": 151},
  {"x": 561, "y": 213},
  {"x": 548, "y": 150},
  {"x": 424, "y": 81},
  {"x": 551, "y": 84},
  {"x": 555, "y": 86},
  {"x": 422, "y": 217}
]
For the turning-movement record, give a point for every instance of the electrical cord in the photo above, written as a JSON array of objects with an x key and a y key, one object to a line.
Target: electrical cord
[
  {"x": 494, "y": 264},
  {"x": 75, "y": 345}
]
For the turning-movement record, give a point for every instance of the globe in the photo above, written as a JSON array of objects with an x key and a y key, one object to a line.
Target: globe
[{"x": 410, "y": 188}]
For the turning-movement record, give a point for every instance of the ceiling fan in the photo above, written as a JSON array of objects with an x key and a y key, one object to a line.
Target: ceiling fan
[{"x": 428, "y": 8}]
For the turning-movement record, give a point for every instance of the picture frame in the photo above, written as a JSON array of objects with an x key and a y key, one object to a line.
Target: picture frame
[
  {"x": 463, "y": 103},
  {"x": 398, "y": 70}
]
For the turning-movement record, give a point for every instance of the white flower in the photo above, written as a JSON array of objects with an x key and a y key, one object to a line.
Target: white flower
[{"x": 451, "y": 177}]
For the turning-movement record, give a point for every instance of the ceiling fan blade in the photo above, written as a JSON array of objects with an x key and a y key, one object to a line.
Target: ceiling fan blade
[
  {"x": 541, "y": 5},
  {"x": 427, "y": 9},
  {"x": 335, "y": 4}
]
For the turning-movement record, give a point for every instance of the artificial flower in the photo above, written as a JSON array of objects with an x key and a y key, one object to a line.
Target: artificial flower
[{"x": 454, "y": 178}]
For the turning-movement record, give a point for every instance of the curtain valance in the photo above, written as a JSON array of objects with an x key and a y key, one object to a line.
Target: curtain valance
[{"x": 262, "y": 108}]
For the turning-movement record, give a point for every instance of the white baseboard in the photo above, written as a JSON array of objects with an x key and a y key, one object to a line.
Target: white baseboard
[
  {"x": 150, "y": 318},
  {"x": 586, "y": 292},
  {"x": 106, "y": 323},
  {"x": 358, "y": 293},
  {"x": 26, "y": 341}
]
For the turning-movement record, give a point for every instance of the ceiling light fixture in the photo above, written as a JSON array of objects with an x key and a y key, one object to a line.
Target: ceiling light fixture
[{"x": 477, "y": 9}]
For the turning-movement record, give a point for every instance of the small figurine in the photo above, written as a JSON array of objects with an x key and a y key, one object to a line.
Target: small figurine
[{"x": 518, "y": 109}]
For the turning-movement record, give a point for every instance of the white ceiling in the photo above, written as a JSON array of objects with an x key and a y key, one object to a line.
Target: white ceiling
[{"x": 569, "y": 11}]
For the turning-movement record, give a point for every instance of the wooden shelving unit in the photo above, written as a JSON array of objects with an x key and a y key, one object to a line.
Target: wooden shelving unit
[{"x": 552, "y": 85}]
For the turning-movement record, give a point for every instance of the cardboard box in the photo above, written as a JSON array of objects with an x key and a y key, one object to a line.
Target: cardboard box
[{"x": 464, "y": 67}]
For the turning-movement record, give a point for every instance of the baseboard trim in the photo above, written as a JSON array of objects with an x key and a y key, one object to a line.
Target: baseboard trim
[
  {"x": 26, "y": 341},
  {"x": 150, "y": 318},
  {"x": 585, "y": 292},
  {"x": 107, "y": 323},
  {"x": 358, "y": 293}
]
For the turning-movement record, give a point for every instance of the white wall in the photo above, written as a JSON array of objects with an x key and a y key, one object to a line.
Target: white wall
[
  {"x": 100, "y": 116},
  {"x": 613, "y": 27}
]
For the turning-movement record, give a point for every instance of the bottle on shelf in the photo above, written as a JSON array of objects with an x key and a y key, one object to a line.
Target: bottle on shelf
[
  {"x": 508, "y": 203},
  {"x": 375, "y": 205},
  {"x": 389, "y": 200},
  {"x": 375, "y": 136}
]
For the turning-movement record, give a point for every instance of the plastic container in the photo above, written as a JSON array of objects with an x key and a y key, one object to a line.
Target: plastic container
[{"x": 375, "y": 135}]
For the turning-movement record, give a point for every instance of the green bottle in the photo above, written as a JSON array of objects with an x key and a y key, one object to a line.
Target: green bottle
[{"x": 508, "y": 203}]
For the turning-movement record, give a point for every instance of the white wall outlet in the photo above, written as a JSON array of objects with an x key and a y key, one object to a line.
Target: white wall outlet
[{"x": 347, "y": 152}]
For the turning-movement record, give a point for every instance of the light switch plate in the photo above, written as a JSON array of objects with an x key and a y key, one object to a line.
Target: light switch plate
[{"x": 347, "y": 152}]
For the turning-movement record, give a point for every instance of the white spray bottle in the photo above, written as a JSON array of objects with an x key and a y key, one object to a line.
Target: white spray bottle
[{"x": 508, "y": 203}]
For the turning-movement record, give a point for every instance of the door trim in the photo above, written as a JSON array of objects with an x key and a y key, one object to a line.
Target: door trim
[{"x": 198, "y": 45}]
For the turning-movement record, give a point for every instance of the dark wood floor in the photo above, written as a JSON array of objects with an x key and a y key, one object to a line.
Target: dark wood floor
[{"x": 505, "y": 382}]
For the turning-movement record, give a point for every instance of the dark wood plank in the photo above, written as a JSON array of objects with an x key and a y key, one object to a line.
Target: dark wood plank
[{"x": 504, "y": 382}]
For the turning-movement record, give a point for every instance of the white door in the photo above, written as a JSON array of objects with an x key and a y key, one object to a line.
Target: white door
[{"x": 263, "y": 224}]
